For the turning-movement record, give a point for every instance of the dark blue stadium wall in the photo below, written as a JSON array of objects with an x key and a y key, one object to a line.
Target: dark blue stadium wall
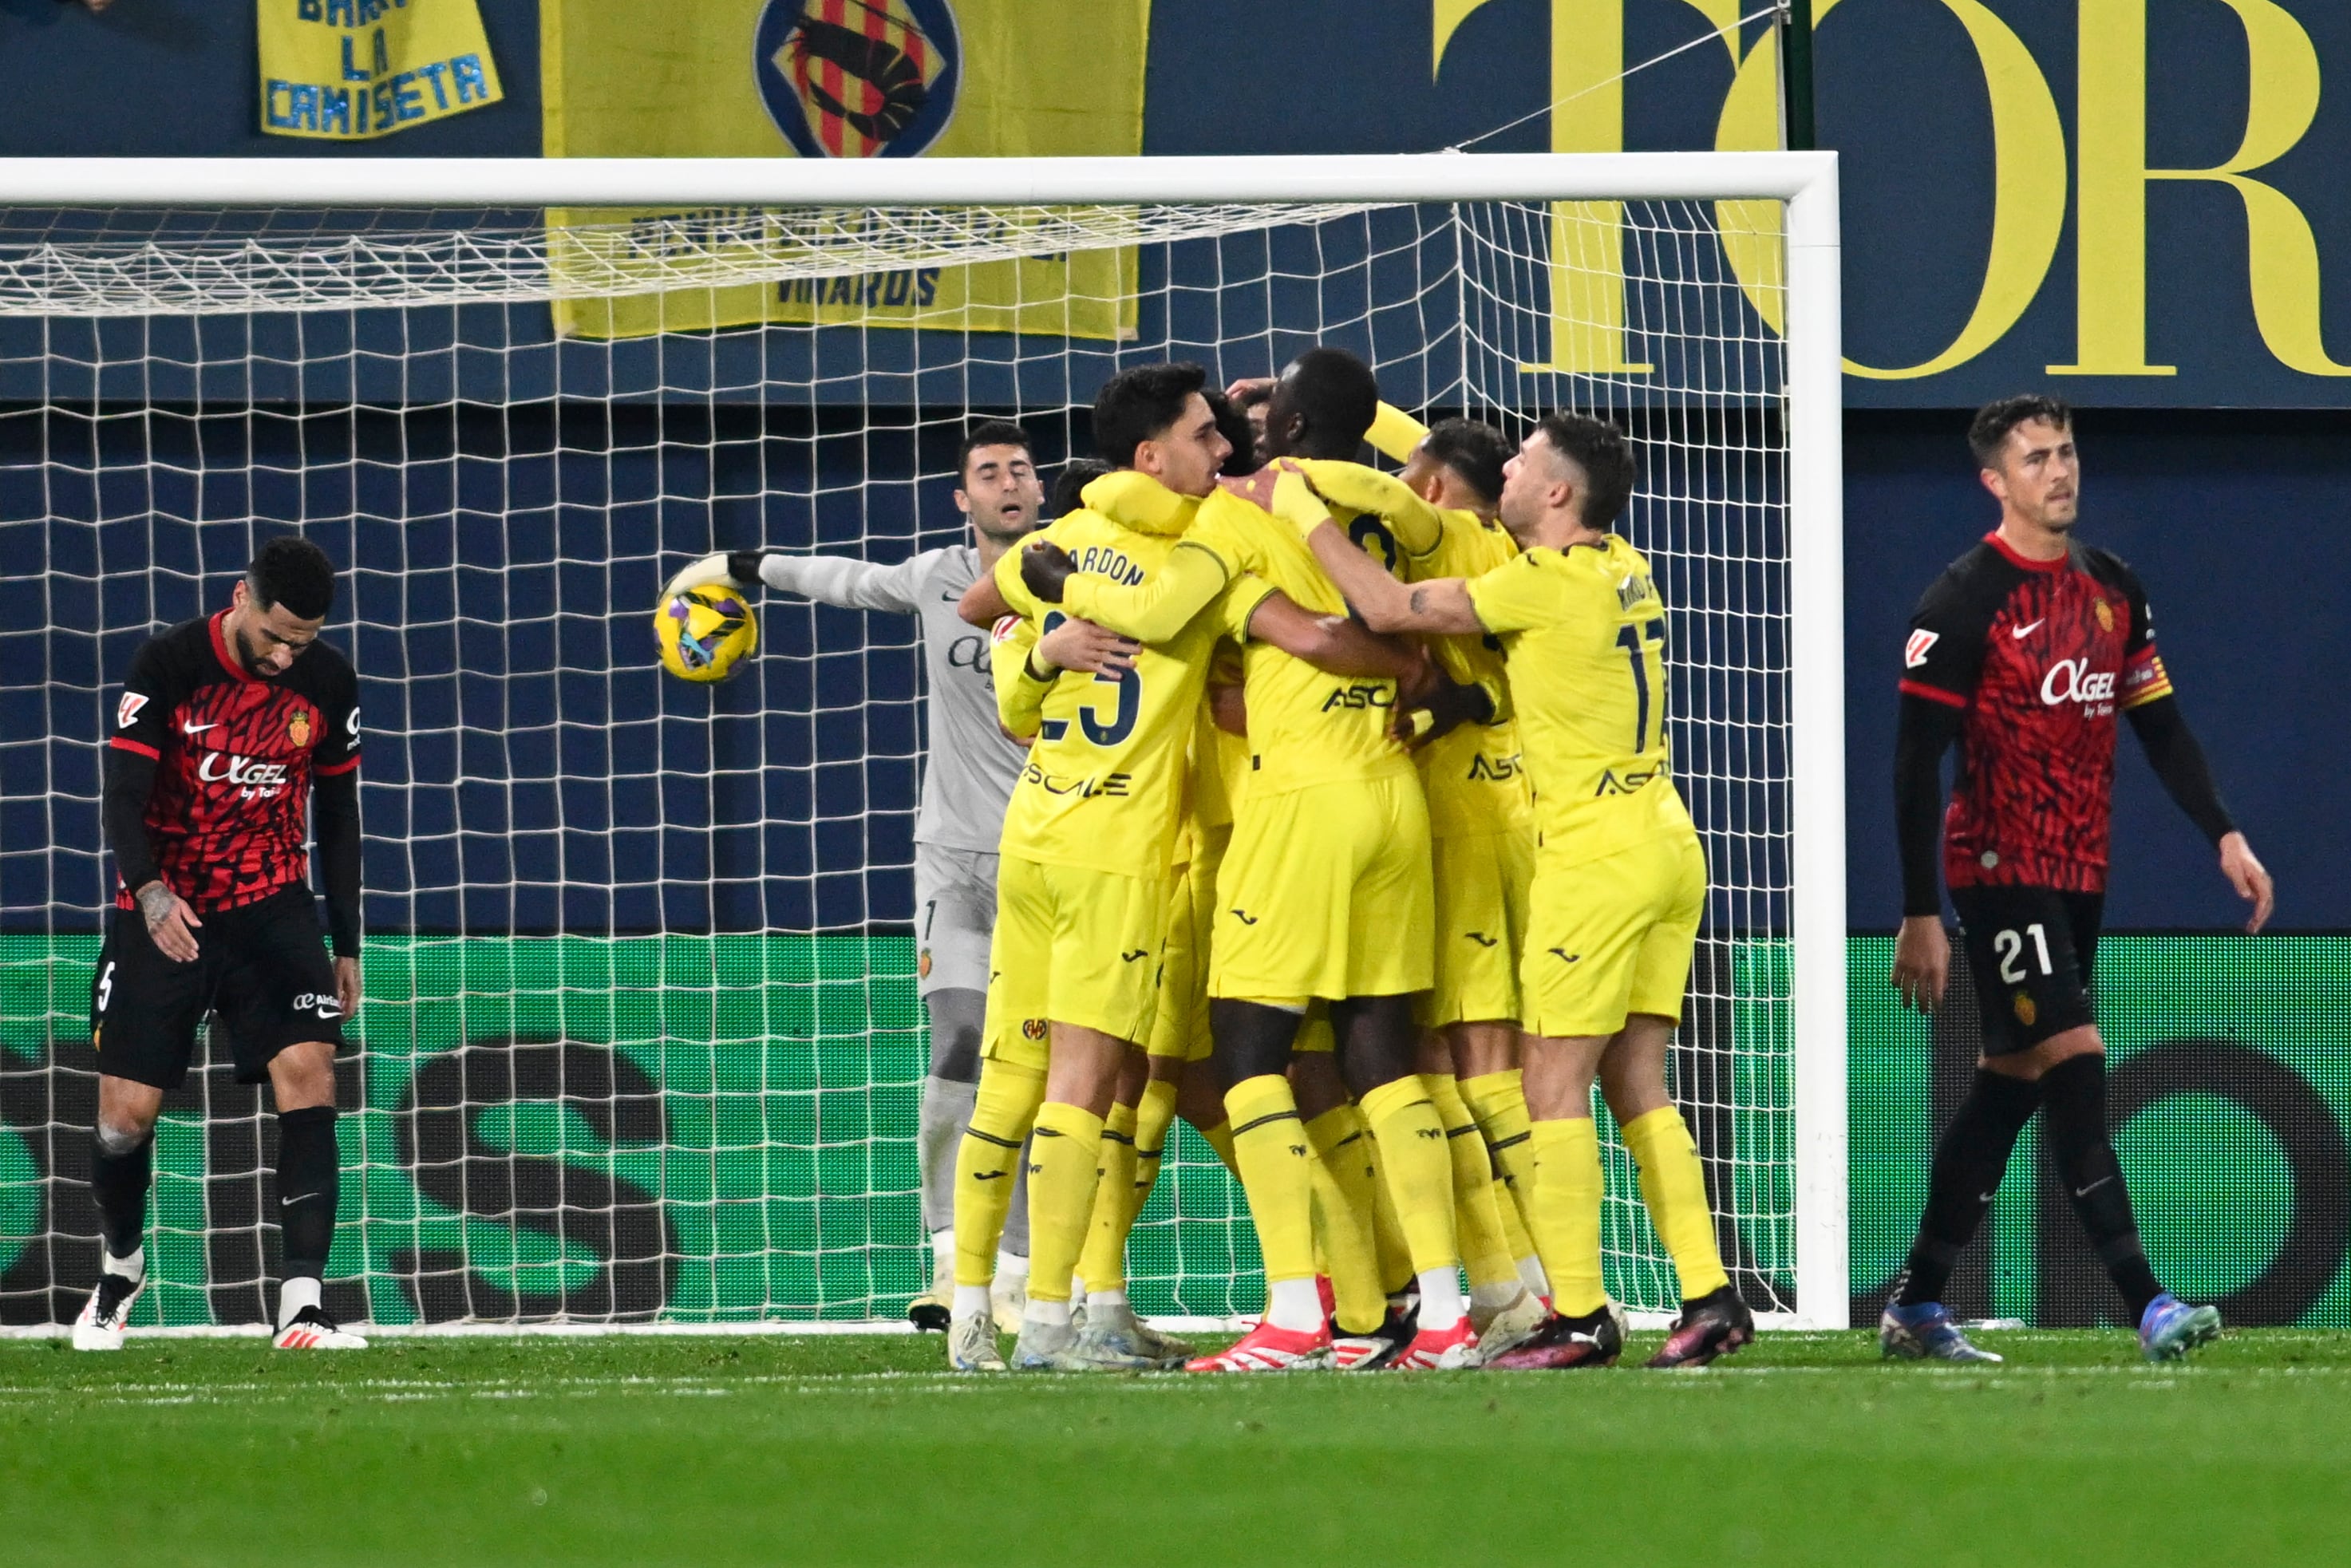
[{"x": 2226, "y": 514}]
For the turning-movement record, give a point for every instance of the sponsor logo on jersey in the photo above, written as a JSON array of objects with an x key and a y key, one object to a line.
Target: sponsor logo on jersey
[
  {"x": 1360, "y": 698},
  {"x": 298, "y": 728},
  {"x": 127, "y": 711},
  {"x": 1107, "y": 784},
  {"x": 1914, "y": 651},
  {"x": 2072, "y": 681},
  {"x": 1611, "y": 783},
  {"x": 858, "y": 79},
  {"x": 1497, "y": 768},
  {"x": 255, "y": 779}
]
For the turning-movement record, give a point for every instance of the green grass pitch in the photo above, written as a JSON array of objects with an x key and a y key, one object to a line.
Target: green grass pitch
[{"x": 1804, "y": 1449}]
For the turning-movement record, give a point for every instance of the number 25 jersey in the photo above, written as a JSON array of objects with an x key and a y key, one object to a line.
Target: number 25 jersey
[
  {"x": 1103, "y": 785},
  {"x": 1584, "y": 644}
]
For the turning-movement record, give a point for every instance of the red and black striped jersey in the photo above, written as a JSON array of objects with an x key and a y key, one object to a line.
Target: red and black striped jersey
[
  {"x": 235, "y": 756},
  {"x": 2039, "y": 656}
]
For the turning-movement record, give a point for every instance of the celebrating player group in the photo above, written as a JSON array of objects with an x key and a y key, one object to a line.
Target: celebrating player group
[{"x": 1329, "y": 809}]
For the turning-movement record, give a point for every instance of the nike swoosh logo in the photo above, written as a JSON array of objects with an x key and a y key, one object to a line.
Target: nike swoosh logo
[
  {"x": 2086, "y": 1191},
  {"x": 300, "y": 1198},
  {"x": 1987, "y": 1197},
  {"x": 187, "y": 728},
  {"x": 2022, "y": 632}
]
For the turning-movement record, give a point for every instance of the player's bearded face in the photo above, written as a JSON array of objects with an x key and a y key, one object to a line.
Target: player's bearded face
[
  {"x": 1001, "y": 491},
  {"x": 268, "y": 641},
  {"x": 2040, "y": 474}
]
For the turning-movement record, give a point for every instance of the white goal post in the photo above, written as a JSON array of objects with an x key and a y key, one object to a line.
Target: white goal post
[{"x": 79, "y": 271}]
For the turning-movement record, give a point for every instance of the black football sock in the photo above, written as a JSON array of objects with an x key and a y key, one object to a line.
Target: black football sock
[
  {"x": 1969, "y": 1163},
  {"x": 2075, "y": 1122},
  {"x": 308, "y": 1179},
  {"x": 121, "y": 1169}
]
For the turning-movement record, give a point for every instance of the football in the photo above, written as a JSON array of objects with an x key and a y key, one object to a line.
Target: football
[{"x": 705, "y": 633}]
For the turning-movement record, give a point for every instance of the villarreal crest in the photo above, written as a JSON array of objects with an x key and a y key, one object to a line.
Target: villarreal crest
[{"x": 858, "y": 79}]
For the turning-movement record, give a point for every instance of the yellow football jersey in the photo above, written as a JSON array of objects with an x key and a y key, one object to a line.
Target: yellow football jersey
[
  {"x": 1474, "y": 776},
  {"x": 1583, "y": 635},
  {"x": 1305, "y": 727},
  {"x": 1103, "y": 785}
]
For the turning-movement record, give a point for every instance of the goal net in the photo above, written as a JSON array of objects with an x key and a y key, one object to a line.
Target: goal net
[{"x": 640, "y": 1039}]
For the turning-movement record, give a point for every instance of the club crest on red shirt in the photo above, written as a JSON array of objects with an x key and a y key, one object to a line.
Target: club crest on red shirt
[{"x": 297, "y": 729}]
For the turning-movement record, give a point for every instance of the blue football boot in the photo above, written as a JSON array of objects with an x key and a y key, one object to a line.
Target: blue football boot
[
  {"x": 2171, "y": 1328},
  {"x": 1925, "y": 1332}
]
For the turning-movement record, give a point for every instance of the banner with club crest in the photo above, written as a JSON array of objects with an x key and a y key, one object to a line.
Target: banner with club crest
[{"x": 840, "y": 78}]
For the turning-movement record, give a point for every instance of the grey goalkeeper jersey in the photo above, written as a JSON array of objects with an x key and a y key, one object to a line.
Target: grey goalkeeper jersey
[{"x": 968, "y": 774}]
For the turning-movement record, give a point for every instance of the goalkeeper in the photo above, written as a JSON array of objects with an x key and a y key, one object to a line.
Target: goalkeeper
[{"x": 967, "y": 777}]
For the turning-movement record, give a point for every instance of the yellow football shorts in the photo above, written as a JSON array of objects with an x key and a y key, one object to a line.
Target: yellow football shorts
[
  {"x": 1612, "y": 937},
  {"x": 1325, "y": 892},
  {"x": 1073, "y": 946},
  {"x": 1481, "y": 922},
  {"x": 1180, "y": 1029}
]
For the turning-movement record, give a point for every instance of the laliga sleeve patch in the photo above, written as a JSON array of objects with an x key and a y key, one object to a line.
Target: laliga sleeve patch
[
  {"x": 1005, "y": 626},
  {"x": 126, "y": 713},
  {"x": 1913, "y": 653}
]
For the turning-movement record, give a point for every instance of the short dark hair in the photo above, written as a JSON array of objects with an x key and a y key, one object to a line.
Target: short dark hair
[
  {"x": 292, "y": 572},
  {"x": 1599, "y": 449},
  {"x": 1472, "y": 449},
  {"x": 1233, "y": 425},
  {"x": 991, "y": 433},
  {"x": 1138, "y": 405},
  {"x": 1339, "y": 396},
  {"x": 1987, "y": 431},
  {"x": 1069, "y": 485}
]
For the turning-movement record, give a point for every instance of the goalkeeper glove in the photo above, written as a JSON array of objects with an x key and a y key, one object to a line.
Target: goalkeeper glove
[{"x": 737, "y": 568}]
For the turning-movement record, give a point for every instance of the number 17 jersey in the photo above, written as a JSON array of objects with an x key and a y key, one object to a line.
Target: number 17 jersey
[{"x": 1584, "y": 646}]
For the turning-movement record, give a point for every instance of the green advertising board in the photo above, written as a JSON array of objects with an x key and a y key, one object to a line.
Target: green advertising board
[{"x": 716, "y": 1129}]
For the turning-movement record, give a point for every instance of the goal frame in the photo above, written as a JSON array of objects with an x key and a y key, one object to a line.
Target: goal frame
[{"x": 1806, "y": 182}]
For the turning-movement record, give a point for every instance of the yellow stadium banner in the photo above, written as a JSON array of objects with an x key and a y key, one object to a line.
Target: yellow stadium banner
[
  {"x": 835, "y": 79},
  {"x": 350, "y": 70}
]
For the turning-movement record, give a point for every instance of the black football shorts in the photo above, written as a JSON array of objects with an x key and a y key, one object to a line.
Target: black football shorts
[
  {"x": 2030, "y": 951},
  {"x": 262, "y": 966}
]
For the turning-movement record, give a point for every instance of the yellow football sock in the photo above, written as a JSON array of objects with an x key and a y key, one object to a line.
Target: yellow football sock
[
  {"x": 1486, "y": 1256},
  {"x": 1499, "y": 1101},
  {"x": 987, "y": 1162},
  {"x": 1565, "y": 1220},
  {"x": 1418, "y": 1169},
  {"x": 1153, "y": 1118},
  {"x": 1269, "y": 1147},
  {"x": 1395, "y": 1258},
  {"x": 1219, "y": 1139},
  {"x": 1515, "y": 1236},
  {"x": 1345, "y": 1199},
  {"x": 1673, "y": 1184},
  {"x": 1064, "y": 1153},
  {"x": 1103, "y": 1264}
]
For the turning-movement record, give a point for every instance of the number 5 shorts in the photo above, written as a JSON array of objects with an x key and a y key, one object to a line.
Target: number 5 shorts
[
  {"x": 1612, "y": 937},
  {"x": 1073, "y": 945},
  {"x": 261, "y": 966}
]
